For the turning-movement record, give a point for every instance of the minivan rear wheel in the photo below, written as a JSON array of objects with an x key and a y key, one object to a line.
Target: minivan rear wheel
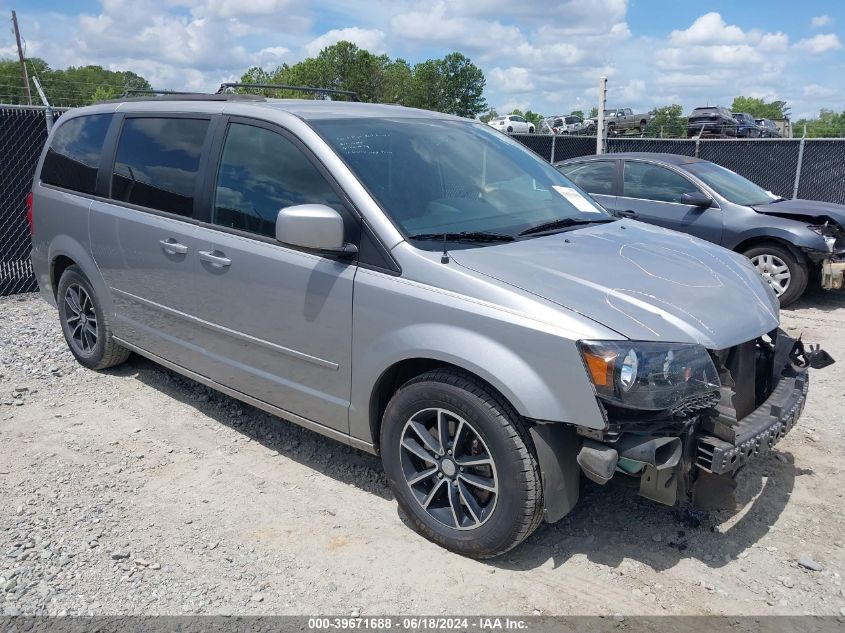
[
  {"x": 786, "y": 275},
  {"x": 461, "y": 465},
  {"x": 86, "y": 329}
]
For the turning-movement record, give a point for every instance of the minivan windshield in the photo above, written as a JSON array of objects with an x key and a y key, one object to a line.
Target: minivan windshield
[
  {"x": 451, "y": 177},
  {"x": 730, "y": 185}
]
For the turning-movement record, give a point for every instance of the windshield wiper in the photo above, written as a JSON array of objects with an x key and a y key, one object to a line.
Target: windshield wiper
[
  {"x": 464, "y": 236},
  {"x": 562, "y": 223}
]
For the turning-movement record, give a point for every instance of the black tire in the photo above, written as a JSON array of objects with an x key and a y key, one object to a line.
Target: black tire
[
  {"x": 102, "y": 351},
  {"x": 798, "y": 271},
  {"x": 518, "y": 506},
  {"x": 510, "y": 129},
  {"x": 531, "y": 130}
]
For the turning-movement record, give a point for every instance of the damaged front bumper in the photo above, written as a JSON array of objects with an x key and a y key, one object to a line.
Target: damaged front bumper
[
  {"x": 719, "y": 438},
  {"x": 756, "y": 433},
  {"x": 832, "y": 274}
]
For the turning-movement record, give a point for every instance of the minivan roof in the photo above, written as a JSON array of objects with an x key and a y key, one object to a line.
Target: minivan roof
[{"x": 308, "y": 109}]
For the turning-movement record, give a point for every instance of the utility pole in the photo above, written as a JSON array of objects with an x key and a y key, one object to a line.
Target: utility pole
[
  {"x": 20, "y": 57},
  {"x": 600, "y": 121}
]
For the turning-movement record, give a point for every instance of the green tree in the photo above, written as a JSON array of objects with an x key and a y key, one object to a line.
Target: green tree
[
  {"x": 828, "y": 124},
  {"x": 397, "y": 79},
  {"x": 488, "y": 116},
  {"x": 578, "y": 113},
  {"x": 11, "y": 82},
  {"x": 73, "y": 86},
  {"x": 760, "y": 109},
  {"x": 667, "y": 121},
  {"x": 594, "y": 112},
  {"x": 462, "y": 86},
  {"x": 426, "y": 87},
  {"x": 104, "y": 93},
  {"x": 452, "y": 84}
]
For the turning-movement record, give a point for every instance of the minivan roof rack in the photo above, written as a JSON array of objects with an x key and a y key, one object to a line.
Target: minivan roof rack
[
  {"x": 326, "y": 91},
  {"x": 132, "y": 92},
  {"x": 168, "y": 95}
]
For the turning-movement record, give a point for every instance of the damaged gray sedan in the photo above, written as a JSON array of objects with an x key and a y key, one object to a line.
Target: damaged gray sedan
[{"x": 790, "y": 242}]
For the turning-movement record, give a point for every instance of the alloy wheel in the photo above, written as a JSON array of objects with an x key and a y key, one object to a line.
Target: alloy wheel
[
  {"x": 81, "y": 319},
  {"x": 774, "y": 270},
  {"x": 449, "y": 469}
]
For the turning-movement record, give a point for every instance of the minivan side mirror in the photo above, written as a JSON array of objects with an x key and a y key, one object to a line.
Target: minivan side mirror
[
  {"x": 697, "y": 199},
  {"x": 313, "y": 226}
]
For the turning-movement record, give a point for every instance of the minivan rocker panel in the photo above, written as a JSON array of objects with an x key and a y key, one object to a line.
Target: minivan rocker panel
[{"x": 418, "y": 286}]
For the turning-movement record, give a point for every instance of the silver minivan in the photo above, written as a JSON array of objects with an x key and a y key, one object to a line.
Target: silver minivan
[{"x": 419, "y": 286}]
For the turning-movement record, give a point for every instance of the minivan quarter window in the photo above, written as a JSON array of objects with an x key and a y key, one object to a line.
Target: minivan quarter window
[
  {"x": 260, "y": 173},
  {"x": 157, "y": 163},
  {"x": 74, "y": 154}
]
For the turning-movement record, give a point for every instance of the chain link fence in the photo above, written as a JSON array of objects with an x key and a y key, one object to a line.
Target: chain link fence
[
  {"x": 813, "y": 169},
  {"x": 23, "y": 131},
  {"x": 806, "y": 168}
]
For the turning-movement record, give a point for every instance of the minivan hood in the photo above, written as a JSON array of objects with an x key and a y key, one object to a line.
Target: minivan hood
[
  {"x": 644, "y": 282},
  {"x": 804, "y": 210}
]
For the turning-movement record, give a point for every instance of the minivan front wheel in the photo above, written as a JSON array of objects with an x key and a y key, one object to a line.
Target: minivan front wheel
[
  {"x": 84, "y": 325},
  {"x": 460, "y": 463}
]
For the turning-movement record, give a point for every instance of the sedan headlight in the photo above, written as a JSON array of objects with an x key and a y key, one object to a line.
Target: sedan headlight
[
  {"x": 649, "y": 376},
  {"x": 829, "y": 234}
]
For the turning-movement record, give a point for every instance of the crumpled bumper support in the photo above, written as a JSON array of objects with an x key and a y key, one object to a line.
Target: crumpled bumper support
[{"x": 758, "y": 432}]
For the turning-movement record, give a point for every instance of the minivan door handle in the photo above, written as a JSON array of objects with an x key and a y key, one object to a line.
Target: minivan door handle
[
  {"x": 627, "y": 213},
  {"x": 172, "y": 247},
  {"x": 218, "y": 261}
]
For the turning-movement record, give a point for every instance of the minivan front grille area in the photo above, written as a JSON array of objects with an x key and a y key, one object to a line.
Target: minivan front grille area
[{"x": 745, "y": 371}]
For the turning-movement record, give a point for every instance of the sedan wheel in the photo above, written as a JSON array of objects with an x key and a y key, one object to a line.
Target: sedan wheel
[
  {"x": 774, "y": 270},
  {"x": 784, "y": 272}
]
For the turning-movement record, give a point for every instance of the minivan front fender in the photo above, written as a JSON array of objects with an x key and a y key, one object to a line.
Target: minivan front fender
[{"x": 560, "y": 394}]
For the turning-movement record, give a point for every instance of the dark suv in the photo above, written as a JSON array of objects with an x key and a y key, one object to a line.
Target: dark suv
[
  {"x": 714, "y": 120},
  {"x": 746, "y": 126}
]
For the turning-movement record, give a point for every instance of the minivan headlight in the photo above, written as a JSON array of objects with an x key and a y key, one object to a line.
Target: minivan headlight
[{"x": 649, "y": 376}]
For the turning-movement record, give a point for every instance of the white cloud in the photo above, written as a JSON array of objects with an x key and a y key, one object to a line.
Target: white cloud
[
  {"x": 240, "y": 8},
  {"x": 371, "y": 39},
  {"x": 546, "y": 56},
  {"x": 817, "y": 90},
  {"x": 710, "y": 28},
  {"x": 437, "y": 24},
  {"x": 511, "y": 80},
  {"x": 272, "y": 56},
  {"x": 821, "y": 43}
]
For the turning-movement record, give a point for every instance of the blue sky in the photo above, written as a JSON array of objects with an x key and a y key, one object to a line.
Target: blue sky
[{"x": 545, "y": 56}]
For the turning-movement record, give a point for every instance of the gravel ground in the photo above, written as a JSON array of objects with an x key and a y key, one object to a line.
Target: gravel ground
[{"x": 136, "y": 491}]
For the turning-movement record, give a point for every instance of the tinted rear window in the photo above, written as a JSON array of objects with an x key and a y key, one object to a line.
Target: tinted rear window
[
  {"x": 74, "y": 153},
  {"x": 157, "y": 163}
]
